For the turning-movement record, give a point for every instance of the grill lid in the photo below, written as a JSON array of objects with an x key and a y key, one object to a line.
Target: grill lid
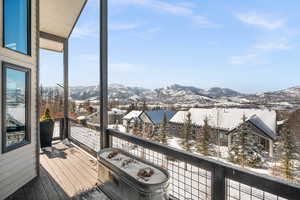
[{"x": 134, "y": 168}]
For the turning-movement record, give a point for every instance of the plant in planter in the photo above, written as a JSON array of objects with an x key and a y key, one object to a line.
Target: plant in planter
[{"x": 46, "y": 129}]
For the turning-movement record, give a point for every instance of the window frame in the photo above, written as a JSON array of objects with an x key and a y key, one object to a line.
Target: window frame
[
  {"x": 29, "y": 38},
  {"x": 6, "y": 65}
]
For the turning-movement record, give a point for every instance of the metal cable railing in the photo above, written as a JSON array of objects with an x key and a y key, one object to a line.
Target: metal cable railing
[
  {"x": 191, "y": 176},
  {"x": 186, "y": 181},
  {"x": 196, "y": 177}
]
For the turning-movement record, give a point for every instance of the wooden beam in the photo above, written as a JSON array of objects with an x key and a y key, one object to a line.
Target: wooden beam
[{"x": 52, "y": 37}]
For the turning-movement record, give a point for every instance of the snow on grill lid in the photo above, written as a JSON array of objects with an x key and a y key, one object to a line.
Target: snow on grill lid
[{"x": 132, "y": 168}]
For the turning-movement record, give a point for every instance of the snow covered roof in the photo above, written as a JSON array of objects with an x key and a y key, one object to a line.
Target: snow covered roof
[
  {"x": 256, "y": 121},
  {"x": 156, "y": 116},
  {"x": 81, "y": 117},
  {"x": 227, "y": 118},
  {"x": 117, "y": 111},
  {"x": 281, "y": 122},
  {"x": 132, "y": 114},
  {"x": 179, "y": 117}
]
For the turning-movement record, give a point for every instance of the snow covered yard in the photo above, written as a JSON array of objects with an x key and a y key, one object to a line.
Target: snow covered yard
[{"x": 175, "y": 142}]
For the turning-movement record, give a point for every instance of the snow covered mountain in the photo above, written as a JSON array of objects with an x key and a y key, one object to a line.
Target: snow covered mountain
[
  {"x": 179, "y": 94},
  {"x": 171, "y": 94},
  {"x": 285, "y": 96}
]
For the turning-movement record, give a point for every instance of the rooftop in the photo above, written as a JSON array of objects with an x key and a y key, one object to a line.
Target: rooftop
[
  {"x": 227, "y": 119},
  {"x": 156, "y": 116},
  {"x": 133, "y": 114}
]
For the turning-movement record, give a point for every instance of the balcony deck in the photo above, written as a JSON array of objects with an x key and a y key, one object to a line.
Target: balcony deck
[{"x": 65, "y": 173}]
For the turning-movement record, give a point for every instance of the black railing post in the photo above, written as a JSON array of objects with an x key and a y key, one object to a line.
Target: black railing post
[
  {"x": 218, "y": 183},
  {"x": 61, "y": 128},
  {"x": 66, "y": 88},
  {"x": 104, "y": 137}
]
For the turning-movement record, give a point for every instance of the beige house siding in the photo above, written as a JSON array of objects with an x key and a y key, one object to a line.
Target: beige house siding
[{"x": 17, "y": 167}]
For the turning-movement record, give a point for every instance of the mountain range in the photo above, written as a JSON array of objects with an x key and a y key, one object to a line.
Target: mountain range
[{"x": 179, "y": 94}]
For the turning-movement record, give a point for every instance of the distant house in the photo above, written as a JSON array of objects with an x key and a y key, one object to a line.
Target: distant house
[
  {"x": 131, "y": 117},
  {"x": 150, "y": 119},
  {"x": 115, "y": 116},
  {"x": 60, "y": 115},
  {"x": 226, "y": 120},
  {"x": 264, "y": 134},
  {"x": 153, "y": 118},
  {"x": 293, "y": 120}
]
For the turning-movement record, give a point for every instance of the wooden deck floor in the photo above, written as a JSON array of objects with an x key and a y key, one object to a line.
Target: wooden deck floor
[{"x": 65, "y": 173}]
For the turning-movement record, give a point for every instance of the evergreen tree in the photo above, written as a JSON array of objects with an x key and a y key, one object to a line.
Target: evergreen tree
[
  {"x": 145, "y": 107},
  {"x": 132, "y": 107},
  {"x": 135, "y": 129},
  {"x": 287, "y": 151},
  {"x": 154, "y": 133},
  {"x": 140, "y": 128},
  {"x": 127, "y": 126},
  {"x": 163, "y": 136},
  {"x": 245, "y": 149},
  {"x": 187, "y": 132},
  {"x": 205, "y": 144},
  {"x": 116, "y": 125},
  {"x": 73, "y": 106}
]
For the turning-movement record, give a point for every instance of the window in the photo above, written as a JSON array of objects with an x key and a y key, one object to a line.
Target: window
[
  {"x": 15, "y": 107},
  {"x": 17, "y": 25}
]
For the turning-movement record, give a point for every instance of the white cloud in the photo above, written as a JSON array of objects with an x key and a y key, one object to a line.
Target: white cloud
[
  {"x": 186, "y": 4},
  {"x": 261, "y": 20},
  {"x": 245, "y": 59},
  {"x": 121, "y": 26},
  {"x": 184, "y": 9},
  {"x": 86, "y": 30},
  {"x": 281, "y": 44},
  {"x": 92, "y": 30}
]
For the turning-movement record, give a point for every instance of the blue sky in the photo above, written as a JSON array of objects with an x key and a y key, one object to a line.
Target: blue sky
[{"x": 249, "y": 45}]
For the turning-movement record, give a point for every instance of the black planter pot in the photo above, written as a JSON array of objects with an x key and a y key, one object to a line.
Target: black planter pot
[{"x": 46, "y": 133}]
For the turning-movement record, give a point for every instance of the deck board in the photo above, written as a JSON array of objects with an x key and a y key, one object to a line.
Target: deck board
[{"x": 65, "y": 173}]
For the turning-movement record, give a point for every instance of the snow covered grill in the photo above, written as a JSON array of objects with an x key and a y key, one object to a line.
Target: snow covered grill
[{"x": 126, "y": 177}]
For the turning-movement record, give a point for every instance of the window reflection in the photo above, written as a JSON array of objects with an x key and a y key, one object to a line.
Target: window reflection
[
  {"x": 15, "y": 85},
  {"x": 16, "y": 25}
]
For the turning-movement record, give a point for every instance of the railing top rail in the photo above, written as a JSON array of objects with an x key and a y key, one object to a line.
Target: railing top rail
[{"x": 263, "y": 182}]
